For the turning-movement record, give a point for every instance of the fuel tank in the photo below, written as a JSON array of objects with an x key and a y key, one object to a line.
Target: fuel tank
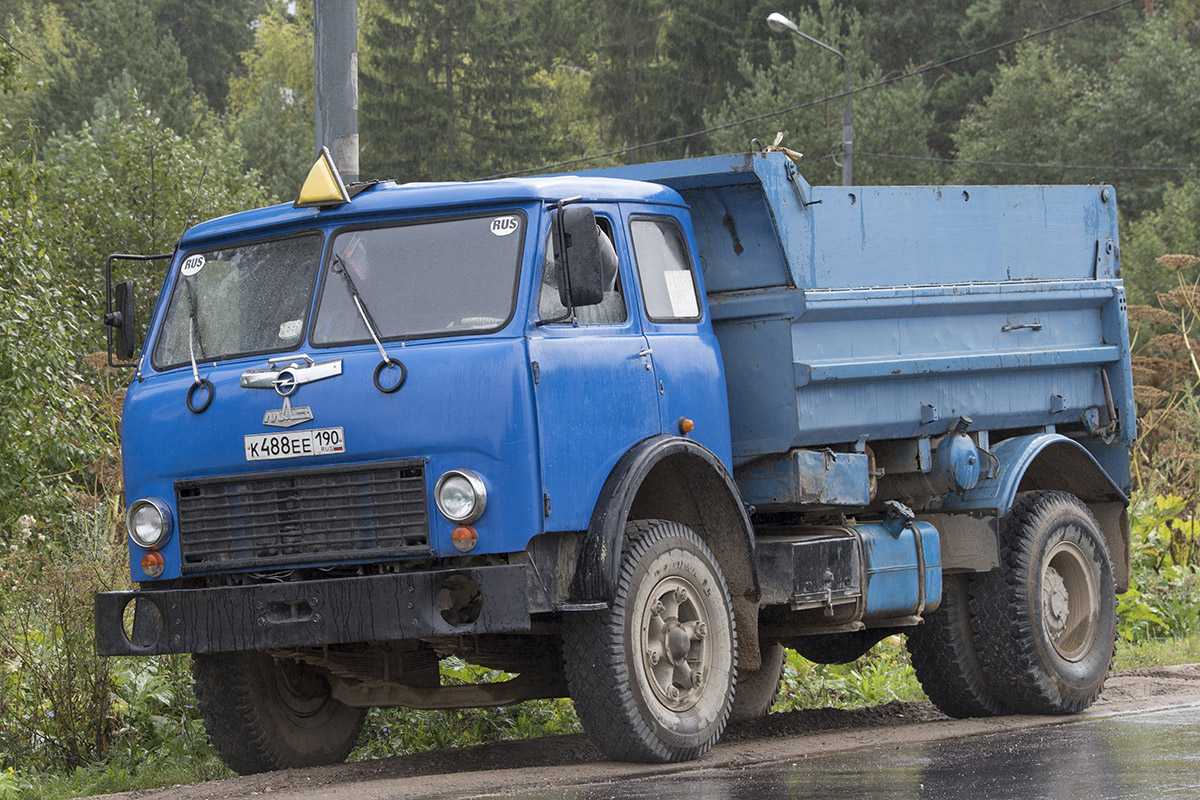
[{"x": 868, "y": 572}]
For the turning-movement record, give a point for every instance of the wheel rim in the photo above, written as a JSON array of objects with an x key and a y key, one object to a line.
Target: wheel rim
[
  {"x": 302, "y": 689},
  {"x": 1069, "y": 601},
  {"x": 674, "y": 643}
]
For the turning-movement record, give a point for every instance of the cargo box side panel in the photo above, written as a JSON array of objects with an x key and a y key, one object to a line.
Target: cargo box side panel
[
  {"x": 890, "y": 364},
  {"x": 913, "y": 235}
]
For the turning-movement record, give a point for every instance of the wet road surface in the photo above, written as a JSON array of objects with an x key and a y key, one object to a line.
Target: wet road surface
[{"x": 1154, "y": 756}]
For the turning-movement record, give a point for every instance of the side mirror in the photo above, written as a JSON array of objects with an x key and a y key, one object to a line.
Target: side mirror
[
  {"x": 123, "y": 321},
  {"x": 577, "y": 253}
]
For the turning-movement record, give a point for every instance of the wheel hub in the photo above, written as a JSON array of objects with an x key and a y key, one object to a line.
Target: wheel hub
[
  {"x": 674, "y": 645},
  {"x": 302, "y": 689},
  {"x": 1070, "y": 600}
]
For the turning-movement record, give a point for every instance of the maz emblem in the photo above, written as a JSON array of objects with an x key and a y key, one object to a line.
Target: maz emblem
[{"x": 287, "y": 416}]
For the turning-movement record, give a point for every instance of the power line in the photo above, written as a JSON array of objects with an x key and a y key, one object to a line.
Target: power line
[
  {"x": 820, "y": 100},
  {"x": 1038, "y": 164},
  {"x": 15, "y": 49}
]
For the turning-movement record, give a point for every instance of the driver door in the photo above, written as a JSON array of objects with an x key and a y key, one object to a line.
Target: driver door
[{"x": 594, "y": 387}]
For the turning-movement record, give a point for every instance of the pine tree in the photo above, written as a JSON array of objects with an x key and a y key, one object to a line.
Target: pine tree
[{"x": 448, "y": 90}]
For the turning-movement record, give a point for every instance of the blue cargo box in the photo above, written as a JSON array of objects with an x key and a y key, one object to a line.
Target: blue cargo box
[{"x": 867, "y": 313}]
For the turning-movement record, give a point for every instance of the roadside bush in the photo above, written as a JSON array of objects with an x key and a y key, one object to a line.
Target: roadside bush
[{"x": 1164, "y": 596}]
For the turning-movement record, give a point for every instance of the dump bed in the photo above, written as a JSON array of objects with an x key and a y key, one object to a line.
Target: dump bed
[{"x": 887, "y": 312}]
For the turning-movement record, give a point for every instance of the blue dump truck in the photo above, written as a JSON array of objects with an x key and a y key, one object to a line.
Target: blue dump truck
[{"x": 624, "y": 435}]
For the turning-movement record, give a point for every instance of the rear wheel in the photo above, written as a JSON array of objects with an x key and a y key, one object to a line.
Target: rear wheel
[
  {"x": 945, "y": 656},
  {"x": 652, "y": 676},
  {"x": 756, "y": 691},
  {"x": 1048, "y": 615},
  {"x": 263, "y": 713}
]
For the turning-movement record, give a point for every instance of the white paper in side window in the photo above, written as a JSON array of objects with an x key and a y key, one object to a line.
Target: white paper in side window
[{"x": 682, "y": 293}]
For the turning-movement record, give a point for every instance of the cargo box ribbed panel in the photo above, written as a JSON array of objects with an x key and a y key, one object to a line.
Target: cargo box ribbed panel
[{"x": 303, "y": 517}]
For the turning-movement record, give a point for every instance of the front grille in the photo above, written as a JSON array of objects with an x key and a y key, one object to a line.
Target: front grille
[{"x": 293, "y": 518}]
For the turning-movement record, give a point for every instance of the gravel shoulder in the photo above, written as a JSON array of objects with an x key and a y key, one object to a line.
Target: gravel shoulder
[{"x": 544, "y": 763}]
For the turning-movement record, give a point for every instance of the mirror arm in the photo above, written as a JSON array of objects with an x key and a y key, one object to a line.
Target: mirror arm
[{"x": 109, "y": 311}]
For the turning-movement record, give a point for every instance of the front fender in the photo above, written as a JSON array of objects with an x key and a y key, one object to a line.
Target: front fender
[{"x": 711, "y": 503}]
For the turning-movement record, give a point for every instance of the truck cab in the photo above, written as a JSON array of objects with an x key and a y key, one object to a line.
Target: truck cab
[{"x": 624, "y": 435}]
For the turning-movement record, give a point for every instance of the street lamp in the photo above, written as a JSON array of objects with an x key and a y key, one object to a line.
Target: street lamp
[{"x": 780, "y": 24}]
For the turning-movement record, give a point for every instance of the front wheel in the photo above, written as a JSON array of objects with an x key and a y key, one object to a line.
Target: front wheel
[
  {"x": 263, "y": 713},
  {"x": 653, "y": 675},
  {"x": 1047, "y": 617}
]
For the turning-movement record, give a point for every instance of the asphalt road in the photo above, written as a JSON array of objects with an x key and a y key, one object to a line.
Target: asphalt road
[
  {"x": 1149, "y": 756},
  {"x": 1141, "y": 740}
]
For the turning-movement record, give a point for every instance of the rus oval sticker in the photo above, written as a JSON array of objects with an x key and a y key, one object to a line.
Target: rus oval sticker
[
  {"x": 503, "y": 226},
  {"x": 192, "y": 265}
]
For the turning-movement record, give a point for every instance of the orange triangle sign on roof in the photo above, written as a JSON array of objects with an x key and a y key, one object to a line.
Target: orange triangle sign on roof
[{"x": 323, "y": 186}]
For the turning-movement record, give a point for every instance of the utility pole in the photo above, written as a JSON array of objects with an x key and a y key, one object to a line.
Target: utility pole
[{"x": 336, "y": 58}]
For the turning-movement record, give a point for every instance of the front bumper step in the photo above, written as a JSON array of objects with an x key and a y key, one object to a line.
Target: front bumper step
[{"x": 312, "y": 613}]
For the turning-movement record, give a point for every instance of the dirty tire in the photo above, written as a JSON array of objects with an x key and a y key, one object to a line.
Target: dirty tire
[
  {"x": 1047, "y": 617},
  {"x": 944, "y": 656},
  {"x": 625, "y": 705},
  {"x": 256, "y": 724},
  {"x": 756, "y": 691}
]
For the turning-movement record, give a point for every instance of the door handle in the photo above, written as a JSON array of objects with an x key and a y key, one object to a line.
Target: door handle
[{"x": 645, "y": 351}]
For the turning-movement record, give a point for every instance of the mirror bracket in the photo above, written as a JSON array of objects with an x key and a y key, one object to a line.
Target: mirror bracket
[{"x": 115, "y": 318}]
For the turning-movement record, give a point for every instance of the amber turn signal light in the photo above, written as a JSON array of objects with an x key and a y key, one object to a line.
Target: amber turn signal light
[
  {"x": 686, "y": 425},
  {"x": 464, "y": 538},
  {"x": 153, "y": 563}
]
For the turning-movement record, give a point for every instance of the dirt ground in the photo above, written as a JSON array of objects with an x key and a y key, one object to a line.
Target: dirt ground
[{"x": 545, "y": 763}]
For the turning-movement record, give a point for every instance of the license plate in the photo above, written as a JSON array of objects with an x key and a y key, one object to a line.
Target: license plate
[{"x": 295, "y": 444}]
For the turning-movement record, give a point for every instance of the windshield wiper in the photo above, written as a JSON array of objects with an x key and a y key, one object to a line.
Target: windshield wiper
[
  {"x": 196, "y": 407},
  {"x": 340, "y": 267}
]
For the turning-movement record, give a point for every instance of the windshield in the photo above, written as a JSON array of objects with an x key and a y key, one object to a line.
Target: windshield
[
  {"x": 248, "y": 299},
  {"x": 428, "y": 279}
]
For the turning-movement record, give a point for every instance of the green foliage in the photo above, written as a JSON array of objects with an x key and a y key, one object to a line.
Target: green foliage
[
  {"x": 1136, "y": 110},
  {"x": 127, "y": 182},
  {"x": 1037, "y": 86},
  {"x": 1174, "y": 227},
  {"x": 448, "y": 90},
  {"x": 211, "y": 35},
  {"x": 90, "y": 50},
  {"x": 881, "y": 676},
  {"x": 887, "y": 120},
  {"x": 272, "y": 105},
  {"x": 1164, "y": 596},
  {"x": 50, "y": 430}
]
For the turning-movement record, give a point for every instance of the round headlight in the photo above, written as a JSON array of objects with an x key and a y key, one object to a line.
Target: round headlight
[
  {"x": 148, "y": 523},
  {"x": 461, "y": 496}
]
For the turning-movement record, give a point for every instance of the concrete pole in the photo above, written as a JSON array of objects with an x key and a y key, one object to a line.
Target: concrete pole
[{"x": 336, "y": 58}]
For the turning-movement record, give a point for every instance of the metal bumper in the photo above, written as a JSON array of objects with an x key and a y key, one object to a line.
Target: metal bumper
[{"x": 308, "y": 613}]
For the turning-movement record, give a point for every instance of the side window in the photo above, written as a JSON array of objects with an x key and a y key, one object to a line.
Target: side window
[
  {"x": 610, "y": 311},
  {"x": 665, "y": 271}
]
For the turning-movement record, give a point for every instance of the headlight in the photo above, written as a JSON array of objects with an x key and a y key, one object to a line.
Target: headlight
[
  {"x": 148, "y": 523},
  {"x": 461, "y": 496}
]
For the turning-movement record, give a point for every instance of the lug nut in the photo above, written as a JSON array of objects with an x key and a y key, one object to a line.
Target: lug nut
[
  {"x": 672, "y": 692},
  {"x": 659, "y": 609},
  {"x": 697, "y": 679},
  {"x": 681, "y": 595},
  {"x": 655, "y": 657},
  {"x": 701, "y": 630}
]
